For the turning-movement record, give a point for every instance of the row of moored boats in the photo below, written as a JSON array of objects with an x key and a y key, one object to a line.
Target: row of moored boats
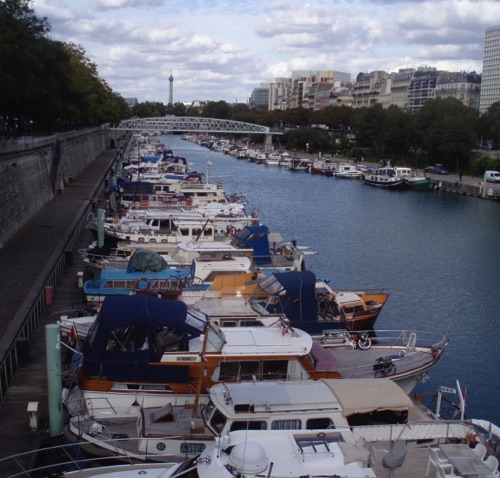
[{"x": 205, "y": 348}]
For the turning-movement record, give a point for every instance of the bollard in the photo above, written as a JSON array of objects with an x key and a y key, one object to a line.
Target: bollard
[
  {"x": 79, "y": 276},
  {"x": 48, "y": 294},
  {"x": 33, "y": 416}
]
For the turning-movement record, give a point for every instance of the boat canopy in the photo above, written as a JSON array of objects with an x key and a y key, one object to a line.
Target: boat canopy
[
  {"x": 296, "y": 292},
  {"x": 379, "y": 394},
  {"x": 131, "y": 334},
  {"x": 256, "y": 238}
]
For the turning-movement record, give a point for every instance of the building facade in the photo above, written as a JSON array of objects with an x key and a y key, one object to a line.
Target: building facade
[
  {"x": 465, "y": 87},
  {"x": 490, "y": 83}
]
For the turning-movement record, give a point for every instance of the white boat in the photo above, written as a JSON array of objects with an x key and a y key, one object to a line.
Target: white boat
[
  {"x": 299, "y": 164},
  {"x": 344, "y": 170},
  {"x": 170, "y": 227},
  {"x": 172, "y": 429}
]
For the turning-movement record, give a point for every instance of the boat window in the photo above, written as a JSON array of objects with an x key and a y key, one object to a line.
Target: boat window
[
  {"x": 218, "y": 421},
  {"x": 250, "y": 323},
  {"x": 121, "y": 340},
  {"x": 286, "y": 425},
  {"x": 274, "y": 369},
  {"x": 192, "y": 448},
  {"x": 184, "y": 231},
  {"x": 319, "y": 423},
  {"x": 169, "y": 339},
  {"x": 207, "y": 411},
  {"x": 239, "y": 370},
  {"x": 250, "y": 425}
]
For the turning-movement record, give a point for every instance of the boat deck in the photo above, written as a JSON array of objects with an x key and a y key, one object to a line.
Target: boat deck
[{"x": 353, "y": 363}]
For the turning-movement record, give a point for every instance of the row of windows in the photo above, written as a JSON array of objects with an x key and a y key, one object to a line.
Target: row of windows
[
  {"x": 490, "y": 53},
  {"x": 492, "y": 77},
  {"x": 494, "y": 32},
  {"x": 492, "y": 62}
]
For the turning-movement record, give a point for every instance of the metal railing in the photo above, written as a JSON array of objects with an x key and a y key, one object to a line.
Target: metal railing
[{"x": 34, "y": 306}]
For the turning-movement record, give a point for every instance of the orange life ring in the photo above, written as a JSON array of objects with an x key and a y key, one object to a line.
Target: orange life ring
[
  {"x": 189, "y": 201},
  {"x": 145, "y": 280}
]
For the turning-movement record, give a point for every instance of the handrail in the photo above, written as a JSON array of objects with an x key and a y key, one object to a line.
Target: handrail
[{"x": 33, "y": 308}]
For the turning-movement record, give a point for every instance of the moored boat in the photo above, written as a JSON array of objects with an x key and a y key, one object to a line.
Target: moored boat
[
  {"x": 388, "y": 177},
  {"x": 344, "y": 170},
  {"x": 418, "y": 183},
  {"x": 172, "y": 429}
]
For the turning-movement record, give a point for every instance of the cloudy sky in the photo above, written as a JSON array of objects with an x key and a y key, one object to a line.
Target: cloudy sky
[{"x": 223, "y": 49}]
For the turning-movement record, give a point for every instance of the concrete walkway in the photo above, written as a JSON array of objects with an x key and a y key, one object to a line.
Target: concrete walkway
[{"x": 22, "y": 260}]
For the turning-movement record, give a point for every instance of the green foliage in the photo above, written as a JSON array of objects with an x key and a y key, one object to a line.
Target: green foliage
[
  {"x": 489, "y": 126},
  {"x": 480, "y": 164},
  {"x": 446, "y": 130},
  {"x": 149, "y": 109},
  {"x": 217, "y": 109},
  {"x": 47, "y": 85}
]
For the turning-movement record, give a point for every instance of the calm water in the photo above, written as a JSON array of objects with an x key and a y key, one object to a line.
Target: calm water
[{"x": 438, "y": 253}]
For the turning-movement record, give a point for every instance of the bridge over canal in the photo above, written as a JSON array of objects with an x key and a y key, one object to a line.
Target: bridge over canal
[{"x": 188, "y": 124}]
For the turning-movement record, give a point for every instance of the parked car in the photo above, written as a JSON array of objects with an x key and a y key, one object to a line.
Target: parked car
[
  {"x": 436, "y": 169},
  {"x": 492, "y": 176}
]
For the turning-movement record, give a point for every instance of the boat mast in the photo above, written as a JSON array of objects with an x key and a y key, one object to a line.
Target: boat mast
[{"x": 202, "y": 369}]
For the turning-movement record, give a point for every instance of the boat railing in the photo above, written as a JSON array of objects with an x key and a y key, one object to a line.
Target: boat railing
[
  {"x": 408, "y": 340},
  {"x": 63, "y": 458},
  {"x": 437, "y": 431}
]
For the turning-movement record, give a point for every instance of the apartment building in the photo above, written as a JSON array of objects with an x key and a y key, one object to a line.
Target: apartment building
[
  {"x": 490, "y": 83},
  {"x": 421, "y": 88},
  {"x": 368, "y": 88},
  {"x": 465, "y": 87}
]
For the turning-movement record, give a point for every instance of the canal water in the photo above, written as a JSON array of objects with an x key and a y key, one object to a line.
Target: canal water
[{"x": 437, "y": 252}]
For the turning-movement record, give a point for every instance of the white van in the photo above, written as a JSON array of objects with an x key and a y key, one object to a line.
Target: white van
[{"x": 492, "y": 176}]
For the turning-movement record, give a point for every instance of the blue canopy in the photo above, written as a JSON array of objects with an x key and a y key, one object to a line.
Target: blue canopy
[
  {"x": 131, "y": 334},
  {"x": 297, "y": 293},
  {"x": 256, "y": 238}
]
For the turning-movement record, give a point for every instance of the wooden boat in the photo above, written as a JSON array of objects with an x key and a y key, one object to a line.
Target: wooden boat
[
  {"x": 187, "y": 429},
  {"x": 308, "y": 303},
  {"x": 193, "y": 357}
]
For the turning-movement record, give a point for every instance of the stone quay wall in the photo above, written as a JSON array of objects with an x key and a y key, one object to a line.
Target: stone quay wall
[{"x": 34, "y": 169}]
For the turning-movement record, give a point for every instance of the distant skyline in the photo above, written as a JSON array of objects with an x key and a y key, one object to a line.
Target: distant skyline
[{"x": 223, "y": 49}]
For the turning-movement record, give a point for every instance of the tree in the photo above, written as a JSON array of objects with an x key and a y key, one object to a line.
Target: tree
[
  {"x": 446, "y": 130},
  {"x": 48, "y": 85},
  {"x": 149, "y": 109},
  {"x": 489, "y": 126},
  {"x": 217, "y": 109}
]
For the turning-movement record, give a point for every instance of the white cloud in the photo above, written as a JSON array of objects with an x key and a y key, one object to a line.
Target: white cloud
[{"x": 222, "y": 49}]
